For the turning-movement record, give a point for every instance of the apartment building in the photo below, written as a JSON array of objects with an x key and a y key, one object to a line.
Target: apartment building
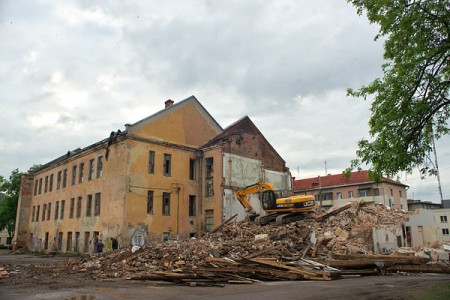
[
  {"x": 336, "y": 190},
  {"x": 168, "y": 176}
]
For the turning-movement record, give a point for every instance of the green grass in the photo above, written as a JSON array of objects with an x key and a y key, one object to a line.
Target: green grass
[{"x": 436, "y": 292}]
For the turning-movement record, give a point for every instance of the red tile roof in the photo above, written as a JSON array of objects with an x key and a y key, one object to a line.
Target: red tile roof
[{"x": 337, "y": 180}]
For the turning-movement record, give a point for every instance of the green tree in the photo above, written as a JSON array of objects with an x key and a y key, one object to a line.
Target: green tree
[
  {"x": 411, "y": 101},
  {"x": 8, "y": 202}
]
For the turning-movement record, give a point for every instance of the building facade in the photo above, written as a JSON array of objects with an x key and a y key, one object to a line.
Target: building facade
[
  {"x": 336, "y": 190},
  {"x": 168, "y": 176},
  {"x": 442, "y": 223}
]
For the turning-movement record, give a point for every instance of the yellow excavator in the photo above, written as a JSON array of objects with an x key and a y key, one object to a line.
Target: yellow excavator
[{"x": 278, "y": 206}]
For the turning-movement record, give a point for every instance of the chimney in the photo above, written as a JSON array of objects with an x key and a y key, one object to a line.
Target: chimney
[{"x": 168, "y": 103}]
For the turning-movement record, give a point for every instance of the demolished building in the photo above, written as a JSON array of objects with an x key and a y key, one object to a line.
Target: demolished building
[{"x": 168, "y": 176}]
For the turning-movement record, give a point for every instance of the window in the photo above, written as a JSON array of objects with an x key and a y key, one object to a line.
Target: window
[
  {"x": 97, "y": 204},
  {"x": 192, "y": 205},
  {"x": 339, "y": 195},
  {"x": 60, "y": 239},
  {"x": 44, "y": 209},
  {"x": 79, "y": 207},
  {"x": 69, "y": 241},
  {"x": 209, "y": 220},
  {"x": 72, "y": 207},
  {"x": 89, "y": 206},
  {"x": 350, "y": 194},
  {"x": 64, "y": 178},
  {"x": 81, "y": 173},
  {"x": 192, "y": 169},
  {"x": 91, "y": 170},
  {"x": 150, "y": 202},
  {"x": 40, "y": 185},
  {"x": 37, "y": 212},
  {"x": 49, "y": 211},
  {"x": 167, "y": 164},
  {"x": 87, "y": 237},
  {"x": 364, "y": 192},
  {"x": 57, "y": 210},
  {"x": 74, "y": 175},
  {"x": 99, "y": 166},
  {"x": 46, "y": 184},
  {"x": 166, "y": 204},
  {"x": 46, "y": 241},
  {"x": 50, "y": 188},
  {"x": 77, "y": 241},
  {"x": 63, "y": 204},
  {"x": 165, "y": 236},
  {"x": 209, "y": 168},
  {"x": 376, "y": 191},
  {"x": 36, "y": 187},
  {"x": 391, "y": 191},
  {"x": 443, "y": 219},
  {"x": 151, "y": 162},
  {"x": 58, "y": 180},
  {"x": 400, "y": 193},
  {"x": 32, "y": 215},
  {"x": 445, "y": 231}
]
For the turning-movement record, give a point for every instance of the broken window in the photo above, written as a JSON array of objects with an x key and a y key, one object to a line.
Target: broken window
[
  {"x": 56, "y": 210},
  {"x": 192, "y": 169},
  {"x": 165, "y": 236},
  {"x": 63, "y": 204},
  {"x": 150, "y": 202},
  {"x": 35, "y": 186},
  {"x": 74, "y": 175},
  {"x": 72, "y": 207},
  {"x": 60, "y": 239},
  {"x": 64, "y": 178},
  {"x": 45, "y": 184},
  {"x": 37, "y": 213},
  {"x": 44, "y": 209},
  {"x": 151, "y": 162},
  {"x": 89, "y": 206},
  {"x": 192, "y": 205},
  {"x": 97, "y": 204},
  {"x": 49, "y": 211},
  {"x": 400, "y": 193},
  {"x": 40, "y": 186},
  {"x": 166, "y": 204},
  {"x": 209, "y": 177},
  {"x": 167, "y": 164},
  {"x": 99, "y": 166},
  {"x": 81, "y": 173},
  {"x": 77, "y": 241},
  {"x": 79, "y": 207},
  {"x": 46, "y": 241},
  {"x": 87, "y": 236},
  {"x": 209, "y": 219},
  {"x": 32, "y": 215},
  {"x": 91, "y": 170},
  {"x": 50, "y": 187},
  {"x": 58, "y": 181},
  {"x": 69, "y": 241}
]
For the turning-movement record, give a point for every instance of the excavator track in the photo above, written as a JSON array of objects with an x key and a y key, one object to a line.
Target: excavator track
[{"x": 288, "y": 218}]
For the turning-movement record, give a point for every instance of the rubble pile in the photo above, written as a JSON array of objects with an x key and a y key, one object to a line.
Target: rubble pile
[{"x": 320, "y": 247}]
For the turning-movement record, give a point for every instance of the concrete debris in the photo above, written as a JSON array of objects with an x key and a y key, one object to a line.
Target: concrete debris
[
  {"x": 338, "y": 242},
  {"x": 3, "y": 273}
]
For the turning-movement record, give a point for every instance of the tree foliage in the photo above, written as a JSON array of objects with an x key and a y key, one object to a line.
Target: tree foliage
[
  {"x": 412, "y": 103},
  {"x": 8, "y": 203}
]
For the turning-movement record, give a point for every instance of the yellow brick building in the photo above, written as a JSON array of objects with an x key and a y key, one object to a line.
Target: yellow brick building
[{"x": 168, "y": 176}]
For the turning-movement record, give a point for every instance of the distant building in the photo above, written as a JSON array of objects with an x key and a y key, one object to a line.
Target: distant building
[
  {"x": 446, "y": 203},
  {"x": 168, "y": 176},
  {"x": 415, "y": 204},
  {"x": 442, "y": 223},
  {"x": 5, "y": 239},
  {"x": 336, "y": 190}
]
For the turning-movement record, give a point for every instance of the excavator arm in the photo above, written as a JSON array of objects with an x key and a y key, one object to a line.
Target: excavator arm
[{"x": 251, "y": 189}]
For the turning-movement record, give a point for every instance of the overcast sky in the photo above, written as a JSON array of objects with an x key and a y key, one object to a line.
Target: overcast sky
[{"x": 73, "y": 71}]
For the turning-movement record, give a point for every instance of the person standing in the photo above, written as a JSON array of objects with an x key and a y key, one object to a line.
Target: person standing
[{"x": 100, "y": 247}]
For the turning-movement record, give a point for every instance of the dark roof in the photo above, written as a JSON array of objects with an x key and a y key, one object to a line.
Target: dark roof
[{"x": 356, "y": 178}]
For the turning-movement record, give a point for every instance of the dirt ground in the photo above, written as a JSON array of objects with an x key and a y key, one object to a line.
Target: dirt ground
[{"x": 51, "y": 277}]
